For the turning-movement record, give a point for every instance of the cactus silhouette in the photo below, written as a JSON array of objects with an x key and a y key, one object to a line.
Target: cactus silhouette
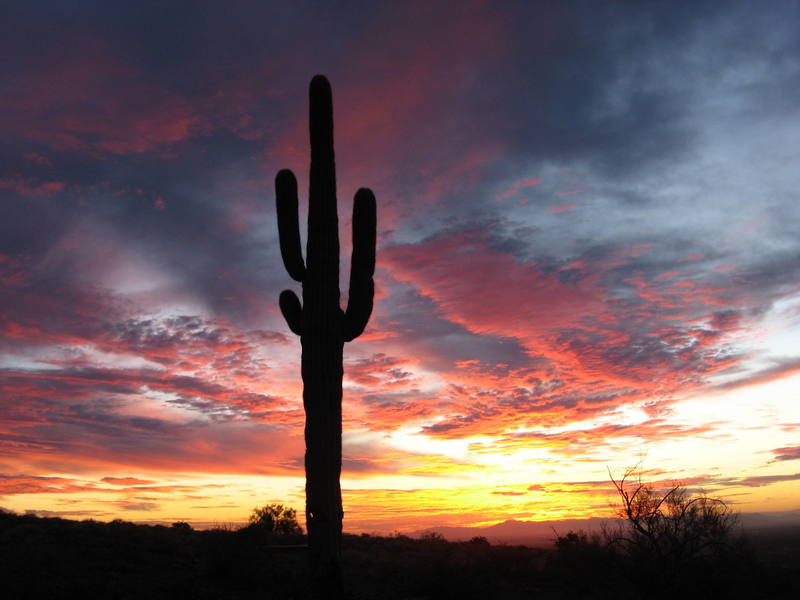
[{"x": 323, "y": 327}]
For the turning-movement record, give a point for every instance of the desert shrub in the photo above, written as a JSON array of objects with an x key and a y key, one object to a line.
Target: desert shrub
[
  {"x": 480, "y": 540},
  {"x": 401, "y": 567},
  {"x": 673, "y": 541},
  {"x": 585, "y": 566},
  {"x": 275, "y": 518}
]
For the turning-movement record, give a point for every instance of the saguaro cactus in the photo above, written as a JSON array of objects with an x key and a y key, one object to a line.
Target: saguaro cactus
[{"x": 323, "y": 327}]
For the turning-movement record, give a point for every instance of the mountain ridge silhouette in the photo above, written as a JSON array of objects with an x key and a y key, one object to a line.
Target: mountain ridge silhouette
[{"x": 541, "y": 533}]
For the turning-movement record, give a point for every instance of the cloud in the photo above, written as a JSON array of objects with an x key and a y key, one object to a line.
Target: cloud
[
  {"x": 787, "y": 453},
  {"x": 27, "y": 484},
  {"x": 589, "y": 441},
  {"x": 32, "y": 188},
  {"x": 379, "y": 370},
  {"x": 136, "y": 506},
  {"x": 605, "y": 322},
  {"x": 104, "y": 418},
  {"x": 86, "y": 97},
  {"x": 781, "y": 367},
  {"x": 762, "y": 480},
  {"x": 126, "y": 481}
]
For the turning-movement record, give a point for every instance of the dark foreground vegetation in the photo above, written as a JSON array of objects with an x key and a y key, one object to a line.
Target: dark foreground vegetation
[{"x": 55, "y": 558}]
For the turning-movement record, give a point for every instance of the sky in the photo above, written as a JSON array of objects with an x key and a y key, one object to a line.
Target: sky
[{"x": 588, "y": 255}]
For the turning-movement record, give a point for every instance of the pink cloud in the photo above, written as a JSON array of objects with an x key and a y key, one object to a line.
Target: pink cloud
[
  {"x": 30, "y": 187},
  {"x": 85, "y": 96},
  {"x": 563, "y": 208},
  {"x": 379, "y": 143},
  {"x": 590, "y": 352},
  {"x": 517, "y": 187},
  {"x": 787, "y": 453},
  {"x": 784, "y": 368}
]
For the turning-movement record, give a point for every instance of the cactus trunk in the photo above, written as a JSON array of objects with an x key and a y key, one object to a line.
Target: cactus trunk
[
  {"x": 324, "y": 328},
  {"x": 322, "y": 398}
]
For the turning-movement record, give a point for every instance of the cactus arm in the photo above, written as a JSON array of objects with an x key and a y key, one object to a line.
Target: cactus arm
[
  {"x": 362, "y": 266},
  {"x": 292, "y": 311},
  {"x": 288, "y": 224}
]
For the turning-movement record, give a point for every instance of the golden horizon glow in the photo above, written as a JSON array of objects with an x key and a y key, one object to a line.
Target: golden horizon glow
[{"x": 464, "y": 488}]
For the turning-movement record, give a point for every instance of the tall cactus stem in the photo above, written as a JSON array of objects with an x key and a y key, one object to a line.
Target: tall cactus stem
[{"x": 324, "y": 328}]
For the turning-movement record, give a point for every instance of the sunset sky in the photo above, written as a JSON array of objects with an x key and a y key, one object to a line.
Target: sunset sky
[{"x": 588, "y": 255}]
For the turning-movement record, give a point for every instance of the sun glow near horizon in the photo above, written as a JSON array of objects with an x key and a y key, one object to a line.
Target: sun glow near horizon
[{"x": 451, "y": 482}]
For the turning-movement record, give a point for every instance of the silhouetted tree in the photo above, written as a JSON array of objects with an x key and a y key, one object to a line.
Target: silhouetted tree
[
  {"x": 672, "y": 524},
  {"x": 275, "y": 518},
  {"x": 671, "y": 538},
  {"x": 323, "y": 327}
]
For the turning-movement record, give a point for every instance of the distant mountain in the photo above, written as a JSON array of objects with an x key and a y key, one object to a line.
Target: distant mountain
[
  {"x": 543, "y": 533},
  {"x": 534, "y": 533},
  {"x": 770, "y": 520}
]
